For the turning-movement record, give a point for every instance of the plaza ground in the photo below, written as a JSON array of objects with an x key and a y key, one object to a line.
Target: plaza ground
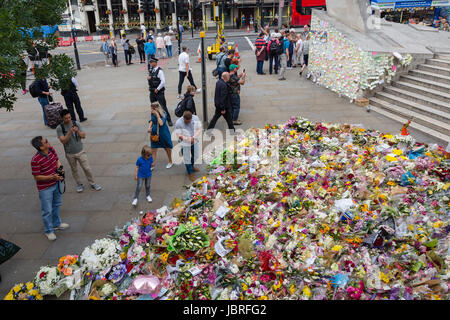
[{"x": 116, "y": 102}]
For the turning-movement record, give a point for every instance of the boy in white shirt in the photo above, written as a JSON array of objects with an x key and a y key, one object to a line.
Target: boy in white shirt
[{"x": 185, "y": 71}]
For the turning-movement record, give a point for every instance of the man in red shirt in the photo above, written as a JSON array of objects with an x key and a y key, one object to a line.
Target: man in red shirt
[{"x": 43, "y": 167}]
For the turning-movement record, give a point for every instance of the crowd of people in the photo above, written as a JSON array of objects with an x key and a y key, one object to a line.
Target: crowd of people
[{"x": 284, "y": 49}]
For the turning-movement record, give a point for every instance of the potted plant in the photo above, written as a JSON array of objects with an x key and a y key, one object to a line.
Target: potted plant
[
  {"x": 108, "y": 11},
  {"x": 140, "y": 10},
  {"x": 123, "y": 11},
  {"x": 156, "y": 10}
]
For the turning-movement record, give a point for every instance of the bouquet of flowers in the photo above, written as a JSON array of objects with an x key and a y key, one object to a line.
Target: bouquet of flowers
[
  {"x": 46, "y": 280},
  {"x": 67, "y": 264},
  {"x": 188, "y": 238},
  {"x": 27, "y": 291},
  {"x": 101, "y": 255}
]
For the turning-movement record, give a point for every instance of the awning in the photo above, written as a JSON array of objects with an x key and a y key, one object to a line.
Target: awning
[{"x": 397, "y": 4}]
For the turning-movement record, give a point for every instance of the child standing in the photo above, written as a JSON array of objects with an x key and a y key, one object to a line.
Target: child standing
[{"x": 143, "y": 173}]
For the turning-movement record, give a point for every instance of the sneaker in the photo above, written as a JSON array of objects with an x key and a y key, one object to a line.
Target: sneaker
[
  {"x": 149, "y": 199},
  {"x": 191, "y": 177},
  {"x": 134, "y": 203},
  {"x": 282, "y": 79},
  {"x": 83, "y": 120},
  {"x": 152, "y": 167},
  {"x": 237, "y": 122},
  {"x": 169, "y": 165},
  {"x": 196, "y": 169},
  {"x": 62, "y": 226},
  {"x": 96, "y": 187},
  {"x": 80, "y": 188},
  {"x": 289, "y": 68},
  {"x": 108, "y": 65},
  {"x": 198, "y": 90},
  {"x": 169, "y": 122},
  {"x": 24, "y": 91},
  {"x": 51, "y": 236},
  {"x": 131, "y": 63}
]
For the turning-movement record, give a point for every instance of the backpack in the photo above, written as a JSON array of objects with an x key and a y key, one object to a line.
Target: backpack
[
  {"x": 34, "y": 89},
  {"x": 179, "y": 110},
  {"x": 274, "y": 46},
  {"x": 132, "y": 51},
  {"x": 280, "y": 46}
]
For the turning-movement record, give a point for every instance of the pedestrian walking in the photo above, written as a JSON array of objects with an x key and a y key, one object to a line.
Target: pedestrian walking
[
  {"x": 143, "y": 174},
  {"x": 156, "y": 85},
  {"x": 260, "y": 52},
  {"x": 168, "y": 43},
  {"x": 140, "y": 43},
  {"x": 234, "y": 85},
  {"x": 222, "y": 102},
  {"x": 160, "y": 47},
  {"x": 284, "y": 56},
  {"x": 105, "y": 51},
  {"x": 72, "y": 99},
  {"x": 274, "y": 49},
  {"x": 126, "y": 48},
  {"x": 48, "y": 174},
  {"x": 159, "y": 133},
  {"x": 305, "y": 52},
  {"x": 43, "y": 90},
  {"x": 181, "y": 30},
  {"x": 185, "y": 70},
  {"x": 113, "y": 52},
  {"x": 292, "y": 41},
  {"x": 188, "y": 128},
  {"x": 220, "y": 61},
  {"x": 188, "y": 100},
  {"x": 150, "y": 50},
  {"x": 70, "y": 133}
]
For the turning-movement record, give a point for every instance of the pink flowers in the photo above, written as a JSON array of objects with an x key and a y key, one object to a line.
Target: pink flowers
[{"x": 355, "y": 293}]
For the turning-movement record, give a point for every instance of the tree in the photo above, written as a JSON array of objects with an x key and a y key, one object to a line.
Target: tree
[{"x": 20, "y": 22}]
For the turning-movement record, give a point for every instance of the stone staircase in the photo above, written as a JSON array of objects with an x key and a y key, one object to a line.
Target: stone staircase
[{"x": 422, "y": 96}]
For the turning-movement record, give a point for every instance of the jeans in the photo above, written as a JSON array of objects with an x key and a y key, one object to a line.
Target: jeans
[
  {"x": 235, "y": 105},
  {"x": 141, "y": 55},
  {"x": 127, "y": 56},
  {"x": 140, "y": 181},
  {"x": 274, "y": 61},
  {"x": 51, "y": 200},
  {"x": 181, "y": 80},
  {"x": 291, "y": 53},
  {"x": 44, "y": 102},
  {"x": 169, "y": 50},
  {"x": 191, "y": 151},
  {"x": 259, "y": 67},
  {"x": 283, "y": 63},
  {"x": 228, "y": 118},
  {"x": 114, "y": 59},
  {"x": 149, "y": 56},
  {"x": 72, "y": 99}
]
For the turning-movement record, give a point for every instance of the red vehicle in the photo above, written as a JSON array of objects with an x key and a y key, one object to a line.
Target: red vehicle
[{"x": 301, "y": 11}]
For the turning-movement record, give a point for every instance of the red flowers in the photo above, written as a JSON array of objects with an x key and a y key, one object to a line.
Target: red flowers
[{"x": 43, "y": 274}]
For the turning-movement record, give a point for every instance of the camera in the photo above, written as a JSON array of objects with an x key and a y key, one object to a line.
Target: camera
[{"x": 60, "y": 172}]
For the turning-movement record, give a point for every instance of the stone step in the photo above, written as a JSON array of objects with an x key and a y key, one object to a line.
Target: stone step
[
  {"x": 425, "y": 121},
  {"x": 434, "y": 94},
  {"x": 418, "y": 98},
  {"x": 445, "y": 88},
  {"x": 438, "y": 62},
  {"x": 442, "y": 56},
  {"x": 430, "y": 76},
  {"x": 445, "y": 138},
  {"x": 435, "y": 69},
  {"x": 439, "y": 115}
]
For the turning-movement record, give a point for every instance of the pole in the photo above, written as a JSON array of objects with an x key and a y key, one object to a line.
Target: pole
[
  {"x": 205, "y": 111},
  {"x": 178, "y": 29},
  {"x": 77, "y": 58},
  {"x": 280, "y": 14},
  {"x": 192, "y": 11}
]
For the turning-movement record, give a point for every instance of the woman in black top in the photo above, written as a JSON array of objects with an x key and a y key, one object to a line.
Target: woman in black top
[
  {"x": 140, "y": 45},
  {"x": 189, "y": 104}
]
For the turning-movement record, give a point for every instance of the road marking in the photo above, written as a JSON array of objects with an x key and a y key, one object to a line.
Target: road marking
[{"x": 250, "y": 43}]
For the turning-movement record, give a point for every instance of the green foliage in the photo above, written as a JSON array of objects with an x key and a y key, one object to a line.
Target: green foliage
[
  {"x": 16, "y": 16},
  {"x": 62, "y": 71}
]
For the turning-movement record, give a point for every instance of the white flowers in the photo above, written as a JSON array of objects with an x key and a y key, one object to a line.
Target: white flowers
[
  {"x": 46, "y": 280},
  {"x": 136, "y": 253},
  {"x": 101, "y": 255}
]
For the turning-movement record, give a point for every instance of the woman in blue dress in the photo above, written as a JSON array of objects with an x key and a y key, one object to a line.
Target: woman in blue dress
[{"x": 158, "y": 126}]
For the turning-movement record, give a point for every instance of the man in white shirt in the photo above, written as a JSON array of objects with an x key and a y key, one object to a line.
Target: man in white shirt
[
  {"x": 185, "y": 71},
  {"x": 188, "y": 128},
  {"x": 168, "y": 42},
  {"x": 156, "y": 84}
]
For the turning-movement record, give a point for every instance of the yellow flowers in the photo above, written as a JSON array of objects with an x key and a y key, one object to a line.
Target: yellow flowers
[
  {"x": 307, "y": 291},
  {"x": 397, "y": 152},
  {"x": 384, "y": 277},
  {"x": 391, "y": 158},
  {"x": 437, "y": 224},
  {"x": 336, "y": 248},
  {"x": 263, "y": 298},
  {"x": 192, "y": 219},
  {"x": 292, "y": 289}
]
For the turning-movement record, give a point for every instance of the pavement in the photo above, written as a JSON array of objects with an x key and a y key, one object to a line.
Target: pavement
[{"x": 116, "y": 102}]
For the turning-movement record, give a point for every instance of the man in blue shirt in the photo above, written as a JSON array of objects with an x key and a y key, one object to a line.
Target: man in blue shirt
[
  {"x": 284, "y": 56},
  {"x": 150, "y": 50}
]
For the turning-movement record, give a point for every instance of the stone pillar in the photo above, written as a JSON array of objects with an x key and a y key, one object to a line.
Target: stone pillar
[
  {"x": 96, "y": 13},
  {"x": 189, "y": 12},
  {"x": 110, "y": 17},
  {"x": 359, "y": 10},
  {"x": 205, "y": 23},
  {"x": 125, "y": 16},
  {"x": 158, "y": 16},
  {"x": 174, "y": 17},
  {"x": 141, "y": 15},
  {"x": 83, "y": 18}
]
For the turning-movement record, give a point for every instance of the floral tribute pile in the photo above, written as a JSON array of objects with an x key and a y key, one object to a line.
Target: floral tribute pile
[{"x": 350, "y": 214}]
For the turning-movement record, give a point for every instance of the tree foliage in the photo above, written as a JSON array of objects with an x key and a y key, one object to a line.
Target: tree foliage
[{"x": 17, "y": 19}]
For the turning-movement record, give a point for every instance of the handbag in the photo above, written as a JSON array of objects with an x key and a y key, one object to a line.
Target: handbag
[
  {"x": 7, "y": 250},
  {"x": 215, "y": 72},
  {"x": 155, "y": 137}
]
